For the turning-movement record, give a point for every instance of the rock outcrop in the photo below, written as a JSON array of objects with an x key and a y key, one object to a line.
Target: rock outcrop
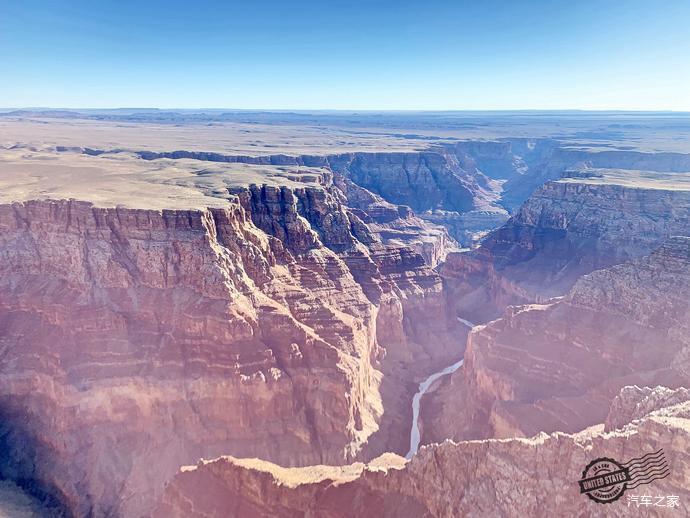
[
  {"x": 566, "y": 229},
  {"x": 135, "y": 341},
  {"x": 516, "y": 477},
  {"x": 548, "y": 160},
  {"x": 423, "y": 181},
  {"x": 634, "y": 403},
  {"x": 443, "y": 185},
  {"x": 558, "y": 365}
]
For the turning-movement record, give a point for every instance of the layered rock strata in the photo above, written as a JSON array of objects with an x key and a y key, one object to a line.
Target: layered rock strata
[
  {"x": 470, "y": 186},
  {"x": 557, "y": 365},
  {"x": 290, "y": 317},
  {"x": 435, "y": 182},
  {"x": 566, "y": 229},
  {"x": 135, "y": 340},
  {"x": 515, "y": 477}
]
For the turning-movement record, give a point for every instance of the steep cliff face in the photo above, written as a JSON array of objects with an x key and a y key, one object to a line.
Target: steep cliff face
[
  {"x": 632, "y": 160},
  {"x": 423, "y": 180},
  {"x": 444, "y": 184},
  {"x": 516, "y": 477},
  {"x": 138, "y": 340},
  {"x": 568, "y": 228},
  {"x": 565, "y": 230},
  {"x": 557, "y": 366},
  {"x": 287, "y": 309},
  {"x": 394, "y": 225},
  {"x": 496, "y": 159},
  {"x": 121, "y": 322},
  {"x": 549, "y": 159},
  {"x": 469, "y": 186}
]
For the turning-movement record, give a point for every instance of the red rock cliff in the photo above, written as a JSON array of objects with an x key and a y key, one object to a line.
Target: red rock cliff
[
  {"x": 516, "y": 477},
  {"x": 135, "y": 341}
]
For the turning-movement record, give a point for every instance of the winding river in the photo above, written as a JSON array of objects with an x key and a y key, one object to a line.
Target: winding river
[{"x": 415, "y": 435}]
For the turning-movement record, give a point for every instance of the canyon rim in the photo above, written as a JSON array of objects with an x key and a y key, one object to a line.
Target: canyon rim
[
  {"x": 344, "y": 259},
  {"x": 215, "y": 333}
]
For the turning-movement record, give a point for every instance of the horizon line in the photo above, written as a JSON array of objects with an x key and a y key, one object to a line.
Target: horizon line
[{"x": 350, "y": 110}]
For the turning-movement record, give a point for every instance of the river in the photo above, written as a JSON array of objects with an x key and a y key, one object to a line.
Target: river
[{"x": 415, "y": 435}]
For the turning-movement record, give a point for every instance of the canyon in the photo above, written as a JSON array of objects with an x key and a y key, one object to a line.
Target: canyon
[
  {"x": 222, "y": 318},
  {"x": 514, "y": 477}
]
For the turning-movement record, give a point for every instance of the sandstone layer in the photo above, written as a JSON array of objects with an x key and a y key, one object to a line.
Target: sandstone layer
[
  {"x": 557, "y": 365},
  {"x": 174, "y": 294},
  {"x": 272, "y": 321},
  {"x": 515, "y": 477},
  {"x": 587, "y": 220}
]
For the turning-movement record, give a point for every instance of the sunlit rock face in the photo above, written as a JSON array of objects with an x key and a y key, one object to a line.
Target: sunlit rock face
[
  {"x": 567, "y": 228},
  {"x": 135, "y": 341},
  {"x": 513, "y": 477},
  {"x": 557, "y": 365},
  {"x": 419, "y": 180}
]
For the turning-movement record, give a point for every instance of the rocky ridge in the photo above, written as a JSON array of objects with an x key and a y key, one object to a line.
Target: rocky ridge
[
  {"x": 303, "y": 309},
  {"x": 566, "y": 229},
  {"x": 559, "y": 364},
  {"x": 512, "y": 477},
  {"x": 274, "y": 326},
  {"x": 469, "y": 186}
]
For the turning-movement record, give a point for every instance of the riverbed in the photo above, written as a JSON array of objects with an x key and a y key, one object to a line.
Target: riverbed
[{"x": 415, "y": 435}]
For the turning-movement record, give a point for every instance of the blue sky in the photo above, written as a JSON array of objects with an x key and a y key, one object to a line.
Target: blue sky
[{"x": 624, "y": 54}]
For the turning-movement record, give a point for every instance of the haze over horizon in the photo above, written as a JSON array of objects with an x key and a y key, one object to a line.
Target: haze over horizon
[
  {"x": 357, "y": 55},
  {"x": 345, "y": 111}
]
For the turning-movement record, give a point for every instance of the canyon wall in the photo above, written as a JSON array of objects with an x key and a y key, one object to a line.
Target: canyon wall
[
  {"x": 443, "y": 185},
  {"x": 135, "y": 341},
  {"x": 557, "y": 365},
  {"x": 548, "y": 159},
  {"x": 516, "y": 477},
  {"x": 566, "y": 229},
  {"x": 469, "y": 186},
  {"x": 293, "y": 320},
  {"x": 422, "y": 180}
]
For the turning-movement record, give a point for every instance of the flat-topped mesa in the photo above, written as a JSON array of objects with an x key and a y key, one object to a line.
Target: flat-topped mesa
[
  {"x": 550, "y": 159},
  {"x": 422, "y": 180},
  {"x": 465, "y": 186},
  {"x": 568, "y": 228},
  {"x": 557, "y": 366},
  {"x": 442, "y": 179},
  {"x": 258, "y": 319},
  {"x": 490, "y": 477},
  {"x": 662, "y": 162},
  {"x": 121, "y": 322}
]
